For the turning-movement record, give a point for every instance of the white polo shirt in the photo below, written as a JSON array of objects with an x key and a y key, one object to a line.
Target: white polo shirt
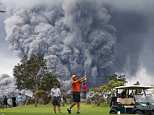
[{"x": 55, "y": 92}]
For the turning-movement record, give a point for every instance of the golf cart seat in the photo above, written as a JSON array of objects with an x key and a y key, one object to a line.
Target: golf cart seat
[{"x": 126, "y": 101}]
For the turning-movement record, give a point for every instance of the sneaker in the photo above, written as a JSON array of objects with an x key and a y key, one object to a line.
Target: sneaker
[
  {"x": 69, "y": 110},
  {"x": 78, "y": 112}
]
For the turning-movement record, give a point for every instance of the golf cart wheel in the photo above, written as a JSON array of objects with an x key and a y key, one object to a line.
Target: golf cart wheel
[
  {"x": 139, "y": 112},
  {"x": 113, "y": 112}
]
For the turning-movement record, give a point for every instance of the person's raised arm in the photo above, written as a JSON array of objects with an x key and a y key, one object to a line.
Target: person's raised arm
[{"x": 83, "y": 79}]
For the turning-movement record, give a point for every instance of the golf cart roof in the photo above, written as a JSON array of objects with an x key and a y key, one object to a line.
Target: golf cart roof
[{"x": 134, "y": 87}]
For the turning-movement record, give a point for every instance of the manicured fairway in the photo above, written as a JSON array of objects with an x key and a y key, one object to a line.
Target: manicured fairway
[{"x": 46, "y": 110}]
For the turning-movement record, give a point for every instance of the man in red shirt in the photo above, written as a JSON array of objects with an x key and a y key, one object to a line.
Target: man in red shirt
[{"x": 76, "y": 88}]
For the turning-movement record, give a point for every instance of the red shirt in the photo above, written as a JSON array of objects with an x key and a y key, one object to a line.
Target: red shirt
[{"x": 76, "y": 86}]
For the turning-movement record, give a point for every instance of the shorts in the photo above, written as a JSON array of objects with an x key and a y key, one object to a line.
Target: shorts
[
  {"x": 76, "y": 96},
  {"x": 56, "y": 101}
]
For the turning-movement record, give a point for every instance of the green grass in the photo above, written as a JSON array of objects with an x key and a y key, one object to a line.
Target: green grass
[{"x": 47, "y": 110}]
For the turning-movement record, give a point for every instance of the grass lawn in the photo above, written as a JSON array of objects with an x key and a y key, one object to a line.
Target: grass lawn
[{"x": 47, "y": 110}]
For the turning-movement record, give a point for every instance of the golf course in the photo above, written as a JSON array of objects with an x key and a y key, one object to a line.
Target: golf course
[{"x": 47, "y": 110}]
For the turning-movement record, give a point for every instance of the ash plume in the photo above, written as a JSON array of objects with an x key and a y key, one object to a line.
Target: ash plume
[
  {"x": 73, "y": 35},
  {"x": 7, "y": 85}
]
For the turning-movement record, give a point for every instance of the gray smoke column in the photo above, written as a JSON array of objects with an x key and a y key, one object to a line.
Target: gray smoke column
[
  {"x": 7, "y": 85},
  {"x": 73, "y": 35},
  {"x": 133, "y": 20}
]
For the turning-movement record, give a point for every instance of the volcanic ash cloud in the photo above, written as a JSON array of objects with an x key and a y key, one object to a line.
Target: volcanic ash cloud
[{"x": 73, "y": 35}]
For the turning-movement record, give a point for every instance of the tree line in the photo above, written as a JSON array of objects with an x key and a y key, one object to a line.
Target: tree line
[{"x": 31, "y": 74}]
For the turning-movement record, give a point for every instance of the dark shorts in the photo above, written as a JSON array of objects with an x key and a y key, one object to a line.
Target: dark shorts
[
  {"x": 76, "y": 96},
  {"x": 56, "y": 101}
]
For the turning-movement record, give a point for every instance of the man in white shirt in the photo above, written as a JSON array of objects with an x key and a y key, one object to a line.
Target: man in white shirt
[{"x": 56, "y": 98}]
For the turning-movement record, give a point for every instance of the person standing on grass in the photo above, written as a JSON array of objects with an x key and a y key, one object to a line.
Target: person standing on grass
[
  {"x": 14, "y": 104},
  {"x": 84, "y": 90},
  {"x": 5, "y": 101},
  {"x": 75, "y": 85},
  {"x": 56, "y": 98}
]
